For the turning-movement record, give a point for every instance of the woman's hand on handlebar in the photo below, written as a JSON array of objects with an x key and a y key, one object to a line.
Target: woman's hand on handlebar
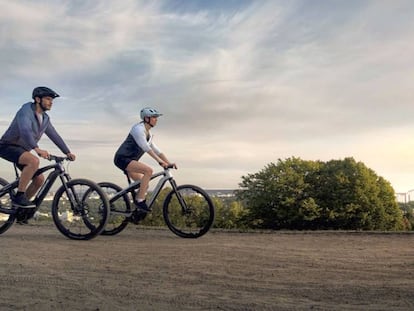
[{"x": 167, "y": 165}]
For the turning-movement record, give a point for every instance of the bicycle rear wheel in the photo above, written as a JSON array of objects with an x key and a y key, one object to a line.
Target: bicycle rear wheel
[
  {"x": 117, "y": 220},
  {"x": 80, "y": 209},
  {"x": 189, "y": 212},
  {"x": 6, "y": 219}
]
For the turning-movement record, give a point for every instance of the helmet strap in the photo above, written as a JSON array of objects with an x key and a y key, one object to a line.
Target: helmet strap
[{"x": 148, "y": 122}]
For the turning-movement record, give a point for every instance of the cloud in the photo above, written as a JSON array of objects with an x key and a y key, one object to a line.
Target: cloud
[{"x": 240, "y": 83}]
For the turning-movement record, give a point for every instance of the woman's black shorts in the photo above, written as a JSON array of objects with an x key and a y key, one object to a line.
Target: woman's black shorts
[{"x": 122, "y": 162}]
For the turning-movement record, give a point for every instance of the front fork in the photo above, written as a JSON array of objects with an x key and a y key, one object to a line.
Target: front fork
[
  {"x": 179, "y": 197},
  {"x": 73, "y": 197}
]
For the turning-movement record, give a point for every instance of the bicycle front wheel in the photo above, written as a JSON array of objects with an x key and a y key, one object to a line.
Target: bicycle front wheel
[
  {"x": 80, "y": 209},
  {"x": 119, "y": 208},
  {"x": 6, "y": 219},
  {"x": 188, "y": 212}
]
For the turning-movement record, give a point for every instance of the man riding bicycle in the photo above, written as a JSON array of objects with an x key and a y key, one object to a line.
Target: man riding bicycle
[{"x": 22, "y": 136}]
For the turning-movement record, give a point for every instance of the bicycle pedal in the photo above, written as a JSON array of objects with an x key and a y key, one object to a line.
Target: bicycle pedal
[
  {"x": 24, "y": 214},
  {"x": 133, "y": 220},
  {"x": 22, "y": 222},
  {"x": 137, "y": 215}
]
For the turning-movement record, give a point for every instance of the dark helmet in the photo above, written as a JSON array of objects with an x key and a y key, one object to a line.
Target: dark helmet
[{"x": 42, "y": 91}]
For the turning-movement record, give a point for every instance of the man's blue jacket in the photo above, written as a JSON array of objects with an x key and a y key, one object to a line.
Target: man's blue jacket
[{"x": 26, "y": 131}]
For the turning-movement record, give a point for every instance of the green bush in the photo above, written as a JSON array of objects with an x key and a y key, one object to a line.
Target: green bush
[{"x": 338, "y": 194}]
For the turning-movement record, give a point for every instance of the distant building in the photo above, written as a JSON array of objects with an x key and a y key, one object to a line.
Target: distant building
[
  {"x": 405, "y": 197},
  {"x": 220, "y": 193},
  {"x": 49, "y": 196},
  {"x": 401, "y": 197}
]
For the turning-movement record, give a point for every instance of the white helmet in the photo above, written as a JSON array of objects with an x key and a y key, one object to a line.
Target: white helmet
[{"x": 149, "y": 112}]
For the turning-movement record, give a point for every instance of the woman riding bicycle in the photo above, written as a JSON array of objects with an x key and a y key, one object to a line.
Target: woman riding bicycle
[
  {"x": 138, "y": 142},
  {"x": 22, "y": 136}
]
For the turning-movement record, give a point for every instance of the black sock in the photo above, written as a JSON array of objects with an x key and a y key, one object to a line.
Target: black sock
[{"x": 19, "y": 193}]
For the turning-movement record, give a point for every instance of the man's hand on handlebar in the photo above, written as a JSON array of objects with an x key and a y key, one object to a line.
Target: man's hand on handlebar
[
  {"x": 71, "y": 156},
  {"x": 42, "y": 153}
]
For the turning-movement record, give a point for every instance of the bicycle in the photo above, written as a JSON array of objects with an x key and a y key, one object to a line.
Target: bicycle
[
  {"x": 188, "y": 210},
  {"x": 80, "y": 209}
]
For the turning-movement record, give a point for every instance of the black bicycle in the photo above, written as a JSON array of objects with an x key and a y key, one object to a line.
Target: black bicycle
[
  {"x": 188, "y": 210},
  {"x": 80, "y": 208}
]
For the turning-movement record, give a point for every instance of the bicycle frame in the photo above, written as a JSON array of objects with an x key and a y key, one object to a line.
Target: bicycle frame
[
  {"x": 167, "y": 176},
  {"x": 58, "y": 171}
]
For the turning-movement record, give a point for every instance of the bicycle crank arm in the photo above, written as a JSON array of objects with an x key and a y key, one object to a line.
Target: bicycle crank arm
[
  {"x": 127, "y": 214},
  {"x": 8, "y": 211}
]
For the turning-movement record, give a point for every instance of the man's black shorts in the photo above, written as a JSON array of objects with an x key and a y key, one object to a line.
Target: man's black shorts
[{"x": 12, "y": 153}]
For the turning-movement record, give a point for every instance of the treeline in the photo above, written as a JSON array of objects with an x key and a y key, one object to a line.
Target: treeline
[{"x": 310, "y": 195}]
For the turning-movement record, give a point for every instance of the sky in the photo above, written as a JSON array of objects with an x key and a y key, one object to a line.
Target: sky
[{"x": 241, "y": 84}]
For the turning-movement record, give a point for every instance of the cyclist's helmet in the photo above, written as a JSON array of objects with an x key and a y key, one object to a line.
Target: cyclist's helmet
[
  {"x": 42, "y": 91},
  {"x": 149, "y": 112}
]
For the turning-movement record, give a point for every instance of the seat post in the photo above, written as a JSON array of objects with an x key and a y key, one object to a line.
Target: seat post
[
  {"x": 127, "y": 176},
  {"x": 133, "y": 191},
  {"x": 16, "y": 170}
]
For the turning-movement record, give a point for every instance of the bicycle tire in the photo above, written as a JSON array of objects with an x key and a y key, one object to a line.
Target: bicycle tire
[
  {"x": 116, "y": 222},
  {"x": 194, "y": 222},
  {"x": 86, "y": 219},
  {"x": 6, "y": 220}
]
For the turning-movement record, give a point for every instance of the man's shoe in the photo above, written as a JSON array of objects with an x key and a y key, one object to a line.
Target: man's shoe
[
  {"x": 143, "y": 206},
  {"x": 22, "y": 201}
]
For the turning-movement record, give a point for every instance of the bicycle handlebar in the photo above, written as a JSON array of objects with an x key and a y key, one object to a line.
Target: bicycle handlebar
[
  {"x": 57, "y": 159},
  {"x": 170, "y": 166}
]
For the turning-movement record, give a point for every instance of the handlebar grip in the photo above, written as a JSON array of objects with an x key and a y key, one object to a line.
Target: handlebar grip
[{"x": 56, "y": 158}]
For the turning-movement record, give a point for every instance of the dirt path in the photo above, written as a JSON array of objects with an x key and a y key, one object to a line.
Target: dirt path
[{"x": 153, "y": 270}]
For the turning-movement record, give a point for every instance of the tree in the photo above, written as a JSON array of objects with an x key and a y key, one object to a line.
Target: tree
[
  {"x": 408, "y": 212},
  {"x": 339, "y": 194},
  {"x": 229, "y": 215},
  {"x": 352, "y": 196},
  {"x": 279, "y": 196}
]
